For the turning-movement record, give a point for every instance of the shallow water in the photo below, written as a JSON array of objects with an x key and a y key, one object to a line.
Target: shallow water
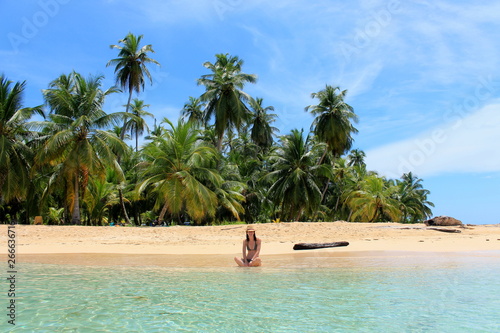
[{"x": 311, "y": 293}]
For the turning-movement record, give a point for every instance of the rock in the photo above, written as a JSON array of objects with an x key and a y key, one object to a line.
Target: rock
[{"x": 443, "y": 221}]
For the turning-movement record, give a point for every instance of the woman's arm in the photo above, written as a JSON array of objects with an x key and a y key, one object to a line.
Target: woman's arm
[
  {"x": 256, "y": 254},
  {"x": 244, "y": 250}
]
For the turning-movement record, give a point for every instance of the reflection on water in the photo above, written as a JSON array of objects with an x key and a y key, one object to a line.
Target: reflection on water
[{"x": 311, "y": 292}]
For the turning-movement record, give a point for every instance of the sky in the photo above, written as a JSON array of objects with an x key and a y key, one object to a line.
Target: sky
[{"x": 422, "y": 76}]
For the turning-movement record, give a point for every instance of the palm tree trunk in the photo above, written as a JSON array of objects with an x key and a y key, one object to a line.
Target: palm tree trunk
[
  {"x": 122, "y": 205},
  {"x": 136, "y": 142},
  {"x": 326, "y": 185},
  {"x": 324, "y": 191},
  {"x": 136, "y": 216},
  {"x": 315, "y": 216},
  {"x": 375, "y": 214},
  {"x": 163, "y": 212},
  {"x": 219, "y": 143},
  {"x": 122, "y": 136},
  {"x": 298, "y": 215},
  {"x": 328, "y": 180},
  {"x": 75, "y": 216},
  {"x": 323, "y": 157},
  {"x": 122, "y": 133},
  {"x": 350, "y": 214},
  {"x": 337, "y": 203}
]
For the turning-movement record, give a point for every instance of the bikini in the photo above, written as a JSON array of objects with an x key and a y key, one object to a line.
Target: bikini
[
  {"x": 255, "y": 249},
  {"x": 248, "y": 249}
]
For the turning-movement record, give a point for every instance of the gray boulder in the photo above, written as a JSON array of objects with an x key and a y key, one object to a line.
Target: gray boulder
[{"x": 443, "y": 221}]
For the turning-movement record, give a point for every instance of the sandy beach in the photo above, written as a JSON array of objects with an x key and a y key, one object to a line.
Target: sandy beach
[{"x": 34, "y": 242}]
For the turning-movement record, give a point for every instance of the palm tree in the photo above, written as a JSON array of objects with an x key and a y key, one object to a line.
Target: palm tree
[
  {"x": 374, "y": 201},
  {"x": 224, "y": 96},
  {"x": 250, "y": 161},
  {"x": 117, "y": 130},
  {"x": 341, "y": 173},
  {"x": 230, "y": 197},
  {"x": 131, "y": 65},
  {"x": 357, "y": 158},
  {"x": 130, "y": 69},
  {"x": 155, "y": 132},
  {"x": 295, "y": 176},
  {"x": 332, "y": 124},
  {"x": 15, "y": 155},
  {"x": 352, "y": 180},
  {"x": 55, "y": 215},
  {"x": 177, "y": 169},
  {"x": 101, "y": 197},
  {"x": 193, "y": 111},
  {"x": 413, "y": 199},
  {"x": 76, "y": 146},
  {"x": 262, "y": 131},
  {"x": 135, "y": 121}
]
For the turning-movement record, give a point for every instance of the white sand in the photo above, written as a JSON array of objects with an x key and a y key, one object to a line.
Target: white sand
[{"x": 277, "y": 238}]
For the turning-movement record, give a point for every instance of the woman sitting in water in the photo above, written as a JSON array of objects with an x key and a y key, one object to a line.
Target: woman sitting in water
[{"x": 251, "y": 250}]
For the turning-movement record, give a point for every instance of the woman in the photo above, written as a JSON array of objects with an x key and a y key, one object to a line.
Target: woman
[{"x": 251, "y": 250}]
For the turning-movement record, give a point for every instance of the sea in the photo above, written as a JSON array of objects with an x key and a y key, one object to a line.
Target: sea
[{"x": 312, "y": 292}]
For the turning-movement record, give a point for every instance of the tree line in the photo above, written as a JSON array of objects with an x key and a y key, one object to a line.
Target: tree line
[{"x": 221, "y": 161}]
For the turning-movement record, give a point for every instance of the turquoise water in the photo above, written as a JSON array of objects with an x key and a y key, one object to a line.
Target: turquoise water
[{"x": 378, "y": 295}]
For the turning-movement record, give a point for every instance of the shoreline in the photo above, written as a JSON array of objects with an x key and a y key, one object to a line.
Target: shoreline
[{"x": 302, "y": 259}]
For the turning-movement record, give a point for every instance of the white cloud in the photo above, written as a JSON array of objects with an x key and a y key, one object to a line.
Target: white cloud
[
  {"x": 416, "y": 49},
  {"x": 361, "y": 80},
  {"x": 467, "y": 144}
]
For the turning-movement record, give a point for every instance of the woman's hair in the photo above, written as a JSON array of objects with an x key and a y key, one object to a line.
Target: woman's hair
[{"x": 254, "y": 237}]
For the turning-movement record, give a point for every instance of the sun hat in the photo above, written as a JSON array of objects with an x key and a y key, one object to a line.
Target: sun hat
[{"x": 250, "y": 228}]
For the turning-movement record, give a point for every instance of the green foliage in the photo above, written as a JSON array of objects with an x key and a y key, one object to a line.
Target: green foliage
[
  {"x": 135, "y": 122},
  {"x": 224, "y": 95},
  {"x": 262, "y": 131},
  {"x": 220, "y": 163},
  {"x": 75, "y": 146},
  {"x": 412, "y": 198},
  {"x": 374, "y": 201},
  {"x": 16, "y": 156},
  {"x": 55, "y": 216},
  {"x": 193, "y": 111},
  {"x": 131, "y": 64},
  {"x": 295, "y": 177},
  {"x": 177, "y": 170},
  {"x": 333, "y": 122}
]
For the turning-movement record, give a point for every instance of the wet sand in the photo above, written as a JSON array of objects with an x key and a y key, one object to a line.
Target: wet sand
[{"x": 301, "y": 259}]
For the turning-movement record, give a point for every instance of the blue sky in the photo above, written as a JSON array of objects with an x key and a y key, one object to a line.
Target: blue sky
[{"x": 423, "y": 76}]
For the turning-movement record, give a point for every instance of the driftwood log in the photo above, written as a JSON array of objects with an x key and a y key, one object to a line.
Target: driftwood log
[
  {"x": 311, "y": 246},
  {"x": 445, "y": 230}
]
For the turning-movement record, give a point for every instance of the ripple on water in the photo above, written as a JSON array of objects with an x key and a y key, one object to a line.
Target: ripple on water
[{"x": 446, "y": 295}]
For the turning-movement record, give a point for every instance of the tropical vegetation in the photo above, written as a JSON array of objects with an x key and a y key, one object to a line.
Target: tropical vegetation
[{"x": 222, "y": 161}]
